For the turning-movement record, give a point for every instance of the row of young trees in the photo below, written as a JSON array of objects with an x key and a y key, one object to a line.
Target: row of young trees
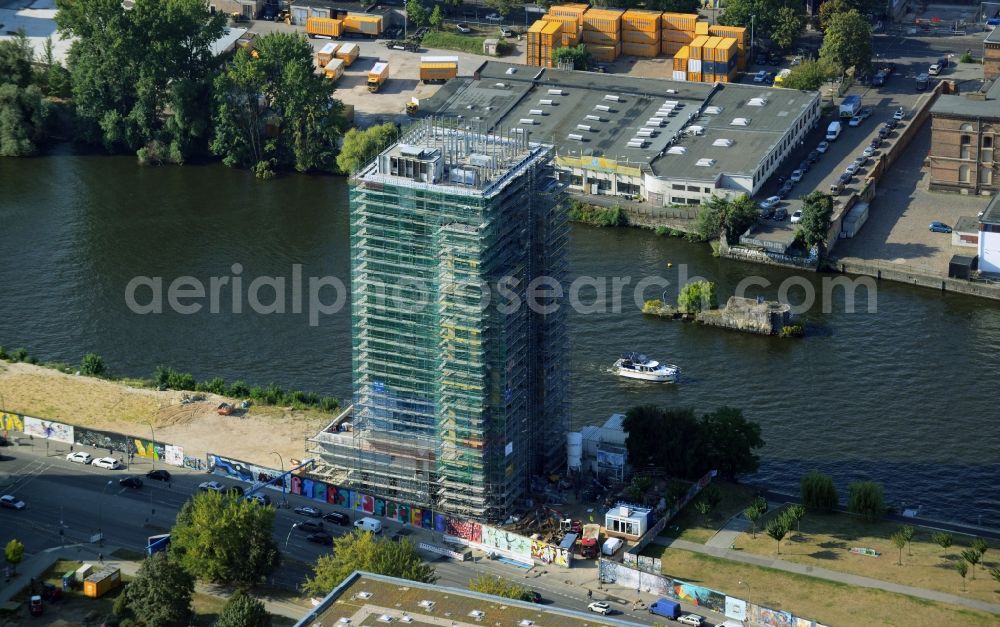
[
  {"x": 734, "y": 216},
  {"x": 26, "y": 113},
  {"x": 687, "y": 446}
]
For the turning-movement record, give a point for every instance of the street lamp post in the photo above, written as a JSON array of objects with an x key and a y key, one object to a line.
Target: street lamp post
[
  {"x": 281, "y": 460},
  {"x": 152, "y": 434},
  {"x": 100, "y": 514},
  {"x": 751, "y": 37},
  {"x": 289, "y": 536},
  {"x": 746, "y": 614}
]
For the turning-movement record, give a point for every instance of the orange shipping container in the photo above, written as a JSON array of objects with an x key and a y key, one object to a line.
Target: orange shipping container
[
  {"x": 681, "y": 59},
  {"x": 701, "y": 28},
  {"x": 323, "y": 26},
  {"x": 640, "y": 37},
  {"x": 707, "y": 78},
  {"x": 737, "y": 32},
  {"x": 725, "y": 50},
  {"x": 604, "y": 54},
  {"x": 640, "y": 50},
  {"x": 681, "y": 36},
  {"x": 571, "y": 10},
  {"x": 697, "y": 45},
  {"x": 597, "y": 37},
  {"x": 365, "y": 24},
  {"x": 604, "y": 20},
  {"x": 645, "y": 21},
  {"x": 671, "y": 47},
  {"x": 708, "y": 50},
  {"x": 694, "y": 77},
  {"x": 680, "y": 21}
]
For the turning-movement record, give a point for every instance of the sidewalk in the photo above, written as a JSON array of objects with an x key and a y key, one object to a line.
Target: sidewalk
[
  {"x": 37, "y": 564},
  {"x": 829, "y": 575}
]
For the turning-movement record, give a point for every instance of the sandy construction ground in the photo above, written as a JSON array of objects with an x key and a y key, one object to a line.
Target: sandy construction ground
[{"x": 110, "y": 406}]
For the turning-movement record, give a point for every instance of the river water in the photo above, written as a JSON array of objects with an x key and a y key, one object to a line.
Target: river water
[{"x": 900, "y": 395}]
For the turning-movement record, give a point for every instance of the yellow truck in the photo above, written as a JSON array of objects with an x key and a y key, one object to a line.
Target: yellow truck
[
  {"x": 348, "y": 53},
  {"x": 327, "y": 52},
  {"x": 323, "y": 27},
  {"x": 377, "y": 75},
  {"x": 438, "y": 69},
  {"x": 334, "y": 70}
]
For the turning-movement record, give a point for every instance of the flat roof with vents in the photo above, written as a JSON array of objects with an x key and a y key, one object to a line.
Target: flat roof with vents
[
  {"x": 641, "y": 103},
  {"x": 399, "y": 601}
]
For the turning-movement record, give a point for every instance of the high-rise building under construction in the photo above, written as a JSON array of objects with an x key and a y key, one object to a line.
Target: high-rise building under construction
[{"x": 457, "y": 240}]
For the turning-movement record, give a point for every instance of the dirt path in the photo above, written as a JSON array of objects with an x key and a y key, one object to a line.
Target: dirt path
[{"x": 110, "y": 406}]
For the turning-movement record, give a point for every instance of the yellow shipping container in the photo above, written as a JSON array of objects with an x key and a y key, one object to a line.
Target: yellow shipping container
[
  {"x": 708, "y": 50},
  {"x": 701, "y": 28},
  {"x": 572, "y": 10},
  {"x": 681, "y": 59},
  {"x": 604, "y": 20},
  {"x": 707, "y": 78},
  {"x": 697, "y": 45},
  {"x": 737, "y": 32},
  {"x": 640, "y": 37},
  {"x": 669, "y": 48},
  {"x": 571, "y": 39},
  {"x": 597, "y": 37},
  {"x": 640, "y": 50},
  {"x": 348, "y": 53},
  {"x": 726, "y": 49},
  {"x": 681, "y": 36},
  {"x": 644, "y": 21},
  {"x": 604, "y": 54},
  {"x": 537, "y": 26},
  {"x": 363, "y": 24},
  {"x": 565, "y": 20},
  {"x": 323, "y": 26},
  {"x": 694, "y": 77},
  {"x": 680, "y": 21}
]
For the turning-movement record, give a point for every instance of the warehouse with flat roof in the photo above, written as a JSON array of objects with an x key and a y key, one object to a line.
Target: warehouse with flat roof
[{"x": 666, "y": 142}]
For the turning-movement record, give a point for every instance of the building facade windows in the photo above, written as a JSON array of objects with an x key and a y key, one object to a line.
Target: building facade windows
[
  {"x": 963, "y": 174},
  {"x": 964, "y": 143}
]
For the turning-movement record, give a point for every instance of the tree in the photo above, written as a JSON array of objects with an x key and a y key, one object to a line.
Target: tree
[
  {"x": 501, "y": 587},
  {"x": 360, "y": 147},
  {"x": 899, "y": 541},
  {"x": 754, "y": 514},
  {"x": 810, "y": 75},
  {"x": 55, "y": 79},
  {"x": 794, "y": 515},
  {"x": 963, "y": 570},
  {"x": 23, "y": 112},
  {"x": 942, "y": 538},
  {"x": 416, "y": 13},
  {"x": 865, "y": 498},
  {"x": 847, "y": 41},
  {"x": 160, "y": 593},
  {"x": 641, "y": 424},
  {"x": 668, "y": 438},
  {"x": 980, "y": 546},
  {"x": 577, "y": 57},
  {"x": 735, "y": 216},
  {"x": 907, "y": 532},
  {"x": 972, "y": 557},
  {"x": 818, "y": 492},
  {"x": 503, "y": 7},
  {"x": 362, "y": 550},
  {"x": 639, "y": 488},
  {"x": 788, "y": 24},
  {"x": 242, "y": 610},
  {"x": 730, "y": 441},
  {"x": 830, "y": 8},
  {"x": 995, "y": 573},
  {"x": 697, "y": 296},
  {"x": 92, "y": 365},
  {"x": 436, "y": 18},
  {"x": 675, "y": 6},
  {"x": 817, "y": 209},
  {"x": 766, "y": 15},
  {"x": 133, "y": 71},
  {"x": 777, "y": 529},
  {"x": 14, "y": 553},
  {"x": 225, "y": 539}
]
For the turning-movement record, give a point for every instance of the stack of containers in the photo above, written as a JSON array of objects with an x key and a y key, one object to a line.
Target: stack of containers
[
  {"x": 737, "y": 32},
  {"x": 571, "y": 18},
  {"x": 543, "y": 38},
  {"x": 694, "y": 60},
  {"x": 677, "y": 31},
  {"x": 575, "y": 11},
  {"x": 641, "y": 33},
  {"x": 726, "y": 55},
  {"x": 701, "y": 28},
  {"x": 602, "y": 32},
  {"x": 708, "y": 59},
  {"x": 681, "y": 64}
]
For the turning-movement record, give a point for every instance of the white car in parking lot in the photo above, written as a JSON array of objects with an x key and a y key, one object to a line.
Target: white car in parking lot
[
  {"x": 109, "y": 463},
  {"x": 796, "y": 176},
  {"x": 797, "y": 216},
  {"x": 770, "y": 202},
  {"x": 691, "y": 619},
  {"x": 79, "y": 457}
]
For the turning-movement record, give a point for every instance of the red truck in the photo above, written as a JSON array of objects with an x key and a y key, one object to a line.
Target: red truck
[{"x": 590, "y": 541}]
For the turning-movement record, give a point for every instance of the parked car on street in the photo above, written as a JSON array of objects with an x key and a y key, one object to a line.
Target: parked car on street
[
  {"x": 869, "y": 151},
  {"x": 211, "y": 486},
  {"x": 761, "y": 76},
  {"x": 259, "y": 499},
  {"x": 339, "y": 518},
  {"x": 11, "y": 502},
  {"x": 813, "y": 156},
  {"x": 462, "y": 27},
  {"x": 822, "y": 147},
  {"x": 852, "y": 169},
  {"x": 797, "y": 217},
  {"x": 770, "y": 203},
  {"x": 856, "y": 121},
  {"x": 309, "y": 526},
  {"x": 898, "y": 115},
  {"x": 130, "y": 482},
  {"x": 79, "y": 457},
  {"x": 506, "y": 32},
  {"x": 780, "y": 214},
  {"x": 320, "y": 538},
  {"x": 109, "y": 463},
  {"x": 307, "y": 510},
  {"x": 796, "y": 176},
  {"x": 934, "y": 69},
  {"x": 494, "y": 18},
  {"x": 940, "y": 227}
]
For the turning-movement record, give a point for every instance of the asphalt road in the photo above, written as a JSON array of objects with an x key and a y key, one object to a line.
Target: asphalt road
[{"x": 68, "y": 502}]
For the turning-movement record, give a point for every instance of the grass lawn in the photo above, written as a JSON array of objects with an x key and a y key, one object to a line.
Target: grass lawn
[
  {"x": 825, "y": 541},
  {"x": 824, "y": 601},
  {"x": 692, "y": 526},
  {"x": 451, "y": 40}
]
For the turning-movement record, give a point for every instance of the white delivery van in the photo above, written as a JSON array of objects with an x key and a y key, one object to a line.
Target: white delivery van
[
  {"x": 833, "y": 131},
  {"x": 369, "y": 524},
  {"x": 611, "y": 546}
]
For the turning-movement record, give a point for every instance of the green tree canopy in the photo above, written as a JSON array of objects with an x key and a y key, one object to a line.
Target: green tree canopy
[
  {"x": 777, "y": 529},
  {"x": 942, "y": 539},
  {"x": 272, "y": 110},
  {"x": 735, "y": 216},
  {"x": 817, "y": 209},
  {"x": 787, "y": 26},
  {"x": 134, "y": 70},
  {"x": 697, "y": 296},
  {"x": 225, "y": 539},
  {"x": 847, "y": 41},
  {"x": 436, "y": 18},
  {"x": 362, "y": 550},
  {"x": 577, "y": 55},
  {"x": 92, "y": 365},
  {"x": 416, "y": 14},
  {"x": 242, "y": 610},
  {"x": 730, "y": 441},
  {"x": 501, "y": 587},
  {"x": 361, "y": 146},
  {"x": 23, "y": 112},
  {"x": 766, "y": 15},
  {"x": 810, "y": 75},
  {"x": 866, "y": 499},
  {"x": 160, "y": 593},
  {"x": 13, "y": 552},
  {"x": 818, "y": 492}
]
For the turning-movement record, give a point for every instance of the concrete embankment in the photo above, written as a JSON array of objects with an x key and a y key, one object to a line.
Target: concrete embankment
[
  {"x": 740, "y": 314},
  {"x": 902, "y": 274}
]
